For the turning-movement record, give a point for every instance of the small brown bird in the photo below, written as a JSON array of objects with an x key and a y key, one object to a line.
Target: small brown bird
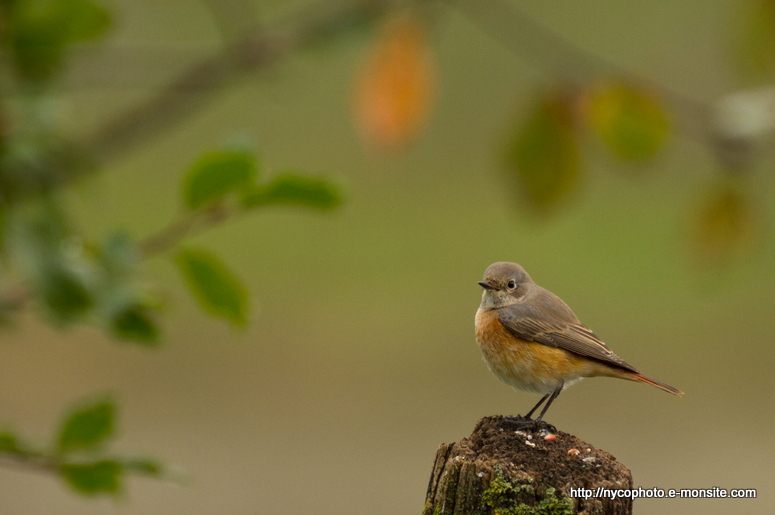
[{"x": 531, "y": 340}]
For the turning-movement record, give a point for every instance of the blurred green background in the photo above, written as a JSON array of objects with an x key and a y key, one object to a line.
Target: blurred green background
[{"x": 359, "y": 358}]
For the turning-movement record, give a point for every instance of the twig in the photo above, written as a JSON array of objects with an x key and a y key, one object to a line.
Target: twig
[
  {"x": 32, "y": 461},
  {"x": 16, "y": 296},
  {"x": 185, "y": 226},
  {"x": 259, "y": 49},
  {"x": 556, "y": 55}
]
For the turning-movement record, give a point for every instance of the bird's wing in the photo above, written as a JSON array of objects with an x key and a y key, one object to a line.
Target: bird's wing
[{"x": 565, "y": 333}]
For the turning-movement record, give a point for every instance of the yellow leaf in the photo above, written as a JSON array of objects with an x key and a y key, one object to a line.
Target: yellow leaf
[
  {"x": 630, "y": 121},
  {"x": 395, "y": 86}
]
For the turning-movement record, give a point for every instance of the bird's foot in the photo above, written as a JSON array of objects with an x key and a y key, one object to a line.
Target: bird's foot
[{"x": 520, "y": 423}]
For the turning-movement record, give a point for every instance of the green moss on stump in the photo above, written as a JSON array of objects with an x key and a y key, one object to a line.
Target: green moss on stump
[{"x": 501, "y": 494}]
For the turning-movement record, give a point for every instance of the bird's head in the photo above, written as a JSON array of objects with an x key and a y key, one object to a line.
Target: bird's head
[{"x": 504, "y": 284}]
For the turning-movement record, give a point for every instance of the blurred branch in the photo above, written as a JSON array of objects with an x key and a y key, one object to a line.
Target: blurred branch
[
  {"x": 183, "y": 227},
  {"x": 324, "y": 21},
  {"x": 232, "y": 17},
  {"x": 259, "y": 49},
  {"x": 732, "y": 126},
  {"x": 16, "y": 296},
  {"x": 30, "y": 460},
  {"x": 556, "y": 55}
]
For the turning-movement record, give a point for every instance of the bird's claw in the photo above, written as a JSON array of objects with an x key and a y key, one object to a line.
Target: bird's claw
[{"x": 522, "y": 424}]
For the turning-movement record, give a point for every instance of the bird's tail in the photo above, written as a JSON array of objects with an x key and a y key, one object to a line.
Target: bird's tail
[{"x": 636, "y": 376}]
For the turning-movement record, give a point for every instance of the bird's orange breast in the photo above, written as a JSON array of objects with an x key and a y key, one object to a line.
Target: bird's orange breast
[{"x": 524, "y": 364}]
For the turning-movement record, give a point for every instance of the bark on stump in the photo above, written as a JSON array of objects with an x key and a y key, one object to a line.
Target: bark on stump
[{"x": 507, "y": 468}]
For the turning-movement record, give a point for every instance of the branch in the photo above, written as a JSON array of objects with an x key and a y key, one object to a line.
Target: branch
[
  {"x": 17, "y": 295},
  {"x": 30, "y": 460},
  {"x": 324, "y": 21},
  {"x": 260, "y": 49},
  {"x": 556, "y": 55},
  {"x": 191, "y": 223}
]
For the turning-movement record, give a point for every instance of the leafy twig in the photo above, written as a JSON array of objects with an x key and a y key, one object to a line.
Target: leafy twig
[{"x": 183, "y": 227}]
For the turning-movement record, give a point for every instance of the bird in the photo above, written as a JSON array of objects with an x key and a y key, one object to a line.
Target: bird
[{"x": 532, "y": 341}]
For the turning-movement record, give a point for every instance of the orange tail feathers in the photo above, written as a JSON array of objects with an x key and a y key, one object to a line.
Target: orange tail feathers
[{"x": 634, "y": 376}]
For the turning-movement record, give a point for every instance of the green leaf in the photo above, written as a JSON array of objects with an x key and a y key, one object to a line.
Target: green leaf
[
  {"x": 60, "y": 273},
  {"x": 118, "y": 256},
  {"x": 100, "y": 477},
  {"x": 41, "y": 30},
  {"x": 135, "y": 323},
  {"x": 86, "y": 428},
  {"x": 216, "y": 175},
  {"x": 217, "y": 290},
  {"x": 64, "y": 293},
  {"x": 9, "y": 443},
  {"x": 630, "y": 121},
  {"x": 294, "y": 188},
  {"x": 543, "y": 158},
  {"x": 84, "y": 21}
]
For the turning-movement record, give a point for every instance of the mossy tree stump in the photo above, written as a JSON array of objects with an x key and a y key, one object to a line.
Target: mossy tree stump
[{"x": 508, "y": 468}]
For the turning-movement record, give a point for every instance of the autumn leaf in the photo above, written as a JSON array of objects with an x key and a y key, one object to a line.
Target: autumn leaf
[
  {"x": 727, "y": 224},
  {"x": 395, "y": 86},
  {"x": 628, "y": 119},
  {"x": 543, "y": 155}
]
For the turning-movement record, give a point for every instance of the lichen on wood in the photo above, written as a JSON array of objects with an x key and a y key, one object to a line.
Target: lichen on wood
[{"x": 508, "y": 467}]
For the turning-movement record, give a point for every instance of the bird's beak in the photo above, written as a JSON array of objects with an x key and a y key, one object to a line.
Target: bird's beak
[{"x": 486, "y": 285}]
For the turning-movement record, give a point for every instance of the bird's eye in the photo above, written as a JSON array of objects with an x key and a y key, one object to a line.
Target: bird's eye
[{"x": 512, "y": 285}]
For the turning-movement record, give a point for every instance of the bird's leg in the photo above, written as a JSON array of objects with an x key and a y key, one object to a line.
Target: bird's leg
[
  {"x": 527, "y": 422},
  {"x": 555, "y": 393},
  {"x": 536, "y": 406}
]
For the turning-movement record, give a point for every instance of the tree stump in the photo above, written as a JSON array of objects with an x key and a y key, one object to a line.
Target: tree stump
[{"x": 508, "y": 467}]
